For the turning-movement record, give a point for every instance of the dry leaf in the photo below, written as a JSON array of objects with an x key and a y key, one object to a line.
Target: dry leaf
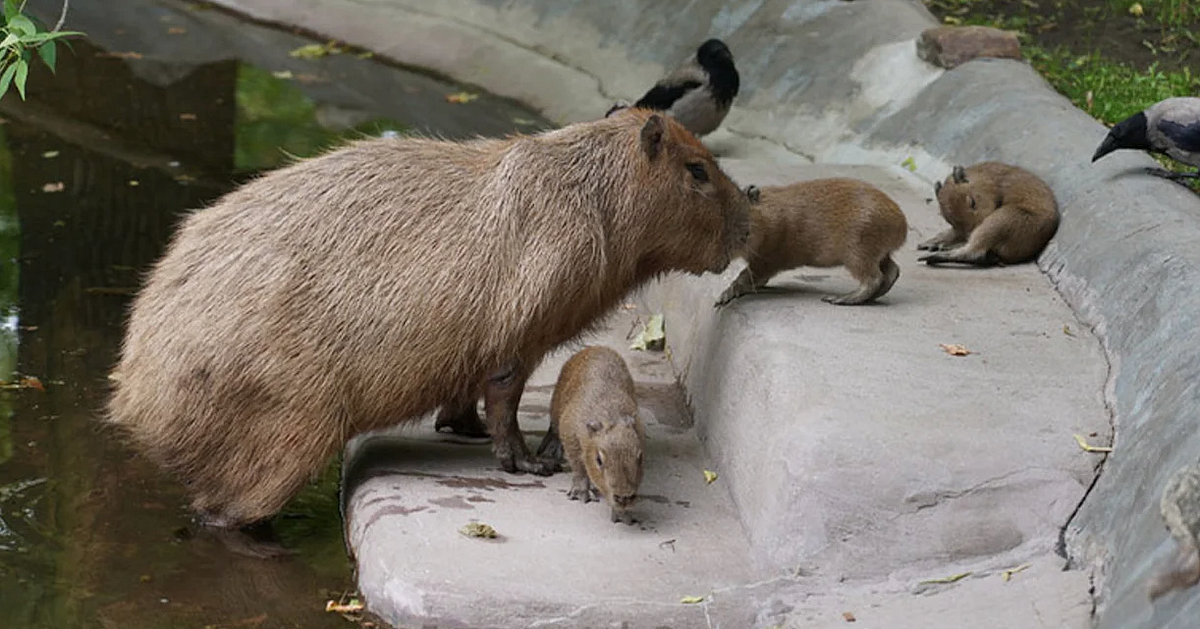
[
  {"x": 709, "y": 477},
  {"x": 461, "y": 97},
  {"x": 849, "y": 616},
  {"x": 1136, "y": 9},
  {"x": 691, "y": 600},
  {"x": 955, "y": 350},
  {"x": 57, "y": 186},
  {"x": 1007, "y": 574},
  {"x": 1067, "y": 330},
  {"x": 176, "y": 30},
  {"x": 950, "y": 579},
  {"x": 352, "y": 606},
  {"x": 187, "y": 116},
  {"x": 282, "y": 74},
  {"x": 652, "y": 336},
  {"x": 1087, "y": 448},
  {"x": 478, "y": 529},
  {"x": 26, "y": 382},
  {"x": 49, "y": 154},
  {"x": 314, "y": 51}
]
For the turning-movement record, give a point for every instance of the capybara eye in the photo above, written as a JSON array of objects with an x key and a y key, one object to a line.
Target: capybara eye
[
  {"x": 698, "y": 172},
  {"x": 972, "y": 200},
  {"x": 599, "y": 460}
]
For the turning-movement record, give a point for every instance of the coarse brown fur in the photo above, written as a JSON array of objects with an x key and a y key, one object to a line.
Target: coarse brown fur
[
  {"x": 366, "y": 286},
  {"x": 823, "y": 223},
  {"x": 594, "y": 415},
  {"x": 998, "y": 214}
]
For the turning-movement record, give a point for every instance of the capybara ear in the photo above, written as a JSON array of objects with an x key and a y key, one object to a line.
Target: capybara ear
[
  {"x": 959, "y": 174},
  {"x": 753, "y": 193},
  {"x": 652, "y": 135},
  {"x": 937, "y": 187},
  {"x": 593, "y": 426}
]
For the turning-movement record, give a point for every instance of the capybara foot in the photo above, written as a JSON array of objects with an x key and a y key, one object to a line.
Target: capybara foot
[
  {"x": 551, "y": 451},
  {"x": 623, "y": 515},
  {"x": 582, "y": 488},
  {"x": 524, "y": 463},
  {"x": 462, "y": 422}
]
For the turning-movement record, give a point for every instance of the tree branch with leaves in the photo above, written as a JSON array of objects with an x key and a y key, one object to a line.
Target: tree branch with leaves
[{"x": 22, "y": 36}]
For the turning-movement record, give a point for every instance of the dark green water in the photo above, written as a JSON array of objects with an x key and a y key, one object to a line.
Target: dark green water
[{"x": 94, "y": 171}]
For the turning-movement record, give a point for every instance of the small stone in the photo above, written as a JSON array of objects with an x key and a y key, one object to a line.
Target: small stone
[{"x": 951, "y": 46}]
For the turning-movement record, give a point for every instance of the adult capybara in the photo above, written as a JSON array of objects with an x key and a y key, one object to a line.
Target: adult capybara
[{"x": 371, "y": 284}]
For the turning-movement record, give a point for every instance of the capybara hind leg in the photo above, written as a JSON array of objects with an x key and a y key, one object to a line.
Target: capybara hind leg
[
  {"x": 461, "y": 417},
  {"x": 980, "y": 249},
  {"x": 501, "y": 400},
  {"x": 891, "y": 273},
  {"x": 870, "y": 279},
  {"x": 745, "y": 283},
  {"x": 944, "y": 240},
  {"x": 550, "y": 451}
]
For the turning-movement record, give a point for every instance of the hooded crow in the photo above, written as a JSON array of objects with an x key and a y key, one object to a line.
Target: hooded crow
[
  {"x": 698, "y": 94},
  {"x": 1169, "y": 127}
]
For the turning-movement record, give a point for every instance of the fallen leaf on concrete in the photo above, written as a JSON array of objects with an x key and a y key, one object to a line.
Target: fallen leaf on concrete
[
  {"x": 849, "y": 616},
  {"x": 349, "y": 607},
  {"x": 1007, "y": 574},
  {"x": 176, "y": 30},
  {"x": 478, "y": 529},
  {"x": 49, "y": 154},
  {"x": 955, "y": 350},
  {"x": 56, "y": 186},
  {"x": 187, "y": 116},
  {"x": 314, "y": 51},
  {"x": 691, "y": 600},
  {"x": 652, "y": 336},
  {"x": 1067, "y": 330},
  {"x": 709, "y": 477},
  {"x": 950, "y": 579},
  {"x": 1087, "y": 448},
  {"x": 461, "y": 97},
  {"x": 282, "y": 74},
  {"x": 910, "y": 164}
]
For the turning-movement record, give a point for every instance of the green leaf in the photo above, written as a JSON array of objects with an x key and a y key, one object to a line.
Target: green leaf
[
  {"x": 22, "y": 74},
  {"x": 11, "y": 9},
  {"x": 10, "y": 40},
  {"x": 21, "y": 25},
  {"x": 48, "y": 53},
  {"x": 6, "y": 78}
]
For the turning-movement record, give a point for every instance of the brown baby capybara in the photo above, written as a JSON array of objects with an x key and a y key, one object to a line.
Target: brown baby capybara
[
  {"x": 824, "y": 223},
  {"x": 594, "y": 415},
  {"x": 998, "y": 214},
  {"x": 369, "y": 285}
]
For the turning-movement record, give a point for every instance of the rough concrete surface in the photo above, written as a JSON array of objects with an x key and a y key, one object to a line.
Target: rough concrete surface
[{"x": 840, "y": 83}]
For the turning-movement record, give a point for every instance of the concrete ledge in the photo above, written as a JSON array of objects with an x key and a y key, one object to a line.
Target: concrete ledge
[{"x": 839, "y": 82}]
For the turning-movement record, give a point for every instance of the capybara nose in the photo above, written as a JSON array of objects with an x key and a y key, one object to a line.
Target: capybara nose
[
  {"x": 625, "y": 500},
  {"x": 752, "y": 193}
]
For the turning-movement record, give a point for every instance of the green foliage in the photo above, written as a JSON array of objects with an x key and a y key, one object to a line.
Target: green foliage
[
  {"x": 1168, "y": 13},
  {"x": 1108, "y": 90},
  {"x": 21, "y": 39}
]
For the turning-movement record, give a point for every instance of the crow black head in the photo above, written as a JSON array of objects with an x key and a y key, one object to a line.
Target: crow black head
[
  {"x": 712, "y": 53},
  {"x": 1130, "y": 133},
  {"x": 716, "y": 59}
]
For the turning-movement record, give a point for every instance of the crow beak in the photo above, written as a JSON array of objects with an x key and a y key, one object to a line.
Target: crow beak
[{"x": 1107, "y": 146}]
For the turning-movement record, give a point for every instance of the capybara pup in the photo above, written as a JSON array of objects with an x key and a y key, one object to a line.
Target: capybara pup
[
  {"x": 371, "y": 284},
  {"x": 998, "y": 214},
  {"x": 823, "y": 223},
  {"x": 594, "y": 412}
]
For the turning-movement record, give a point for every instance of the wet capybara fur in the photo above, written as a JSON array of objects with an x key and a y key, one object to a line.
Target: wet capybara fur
[
  {"x": 998, "y": 214},
  {"x": 594, "y": 421},
  {"x": 834, "y": 221},
  {"x": 371, "y": 284}
]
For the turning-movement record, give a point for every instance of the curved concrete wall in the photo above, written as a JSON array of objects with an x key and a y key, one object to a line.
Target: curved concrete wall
[{"x": 837, "y": 81}]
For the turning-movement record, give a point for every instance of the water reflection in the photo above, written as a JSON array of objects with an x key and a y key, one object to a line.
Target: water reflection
[{"x": 95, "y": 170}]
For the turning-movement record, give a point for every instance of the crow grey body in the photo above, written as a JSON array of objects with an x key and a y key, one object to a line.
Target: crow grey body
[
  {"x": 699, "y": 93},
  {"x": 1169, "y": 127}
]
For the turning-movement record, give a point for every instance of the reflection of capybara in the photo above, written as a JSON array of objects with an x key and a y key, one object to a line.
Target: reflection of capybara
[
  {"x": 998, "y": 214},
  {"x": 594, "y": 415},
  {"x": 371, "y": 284},
  {"x": 824, "y": 223}
]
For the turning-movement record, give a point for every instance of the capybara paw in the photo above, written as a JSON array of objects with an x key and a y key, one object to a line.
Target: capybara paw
[
  {"x": 623, "y": 516},
  {"x": 554, "y": 465},
  {"x": 930, "y": 259},
  {"x": 551, "y": 448},
  {"x": 843, "y": 300},
  {"x": 578, "y": 493},
  {"x": 929, "y": 245},
  {"x": 522, "y": 465}
]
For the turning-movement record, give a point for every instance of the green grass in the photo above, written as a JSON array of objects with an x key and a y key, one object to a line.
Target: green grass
[
  {"x": 1110, "y": 91},
  {"x": 1168, "y": 13}
]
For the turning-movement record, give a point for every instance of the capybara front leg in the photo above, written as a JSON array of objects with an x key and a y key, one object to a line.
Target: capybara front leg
[
  {"x": 501, "y": 401},
  {"x": 460, "y": 417},
  {"x": 581, "y": 487},
  {"x": 745, "y": 283}
]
